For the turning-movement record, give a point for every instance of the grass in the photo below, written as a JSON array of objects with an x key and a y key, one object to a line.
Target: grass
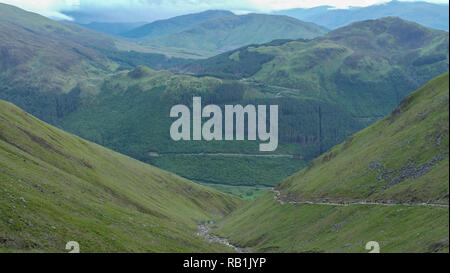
[
  {"x": 245, "y": 192},
  {"x": 264, "y": 225},
  {"x": 234, "y": 171},
  {"x": 56, "y": 187},
  {"x": 400, "y": 159},
  {"x": 384, "y": 160}
]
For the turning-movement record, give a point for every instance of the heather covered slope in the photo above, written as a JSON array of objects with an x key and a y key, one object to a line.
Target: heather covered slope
[
  {"x": 56, "y": 187},
  {"x": 399, "y": 166}
]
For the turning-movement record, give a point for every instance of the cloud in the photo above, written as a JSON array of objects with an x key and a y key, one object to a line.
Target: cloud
[
  {"x": 149, "y": 10},
  {"x": 48, "y": 8}
]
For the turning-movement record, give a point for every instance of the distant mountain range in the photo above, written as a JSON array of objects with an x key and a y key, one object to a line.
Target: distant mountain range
[
  {"x": 344, "y": 66},
  {"x": 175, "y": 24},
  {"x": 425, "y": 13},
  {"x": 219, "y": 31},
  {"x": 112, "y": 28}
]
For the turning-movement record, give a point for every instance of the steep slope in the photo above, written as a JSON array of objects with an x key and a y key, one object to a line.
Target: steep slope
[
  {"x": 388, "y": 183},
  {"x": 175, "y": 24},
  {"x": 56, "y": 187},
  {"x": 365, "y": 68},
  {"x": 425, "y": 13},
  {"x": 231, "y": 32}
]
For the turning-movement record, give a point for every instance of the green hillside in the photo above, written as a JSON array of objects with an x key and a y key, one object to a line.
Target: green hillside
[
  {"x": 399, "y": 164},
  {"x": 174, "y": 25},
  {"x": 56, "y": 187},
  {"x": 365, "y": 68},
  {"x": 43, "y": 61},
  {"x": 230, "y": 32}
]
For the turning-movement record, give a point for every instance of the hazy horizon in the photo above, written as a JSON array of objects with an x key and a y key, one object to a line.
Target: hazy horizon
[{"x": 87, "y": 11}]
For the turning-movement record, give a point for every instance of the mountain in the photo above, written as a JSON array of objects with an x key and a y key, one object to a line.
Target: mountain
[
  {"x": 230, "y": 32},
  {"x": 62, "y": 53},
  {"x": 428, "y": 14},
  {"x": 175, "y": 24},
  {"x": 393, "y": 174},
  {"x": 327, "y": 89},
  {"x": 43, "y": 61},
  {"x": 112, "y": 28},
  {"x": 56, "y": 187},
  {"x": 366, "y": 67}
]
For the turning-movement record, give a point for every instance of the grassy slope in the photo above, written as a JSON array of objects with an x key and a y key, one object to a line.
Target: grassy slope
[
  {"x": 383, "y": 158},
  {"x": 56, "y": 187},
  {"x": 417, "y": 131},
  {"x": 230, "y": 32}
]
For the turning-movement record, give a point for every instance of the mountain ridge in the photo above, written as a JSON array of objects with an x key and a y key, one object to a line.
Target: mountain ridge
[
  {"x": 229, "y": 32},
  {"x": 432, "y": 15},
  {"x": 174, "y": 24}
]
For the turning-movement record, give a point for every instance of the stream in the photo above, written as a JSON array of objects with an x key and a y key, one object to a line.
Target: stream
[{"x": 203, "y": 231}]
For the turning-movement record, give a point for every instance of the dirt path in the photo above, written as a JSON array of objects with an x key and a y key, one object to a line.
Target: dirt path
[
  {"x": 204, "y": 229},
  {"x": 282, "y": 201}
]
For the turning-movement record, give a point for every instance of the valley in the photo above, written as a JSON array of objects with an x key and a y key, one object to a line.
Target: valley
[
  {"x": 56, "y": 187},
  {"x": 98, "y": 144}
]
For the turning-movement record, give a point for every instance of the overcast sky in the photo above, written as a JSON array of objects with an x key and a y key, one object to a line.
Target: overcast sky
[{"x": 150, "y": 10}]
